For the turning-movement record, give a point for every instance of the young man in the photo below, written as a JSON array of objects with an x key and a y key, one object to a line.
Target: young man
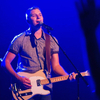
[{"x": 30, "y": 47}]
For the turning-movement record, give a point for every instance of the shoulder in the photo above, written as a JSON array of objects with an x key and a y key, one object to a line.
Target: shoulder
[
  {"x": 53, "y": 40},
  {"x": 21, "y": 36},
  {"x": 54, "y": 45},
  {"x": 18, "y": 37}
]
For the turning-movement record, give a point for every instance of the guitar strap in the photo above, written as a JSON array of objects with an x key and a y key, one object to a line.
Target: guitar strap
[{"x": 47, "y": 46}]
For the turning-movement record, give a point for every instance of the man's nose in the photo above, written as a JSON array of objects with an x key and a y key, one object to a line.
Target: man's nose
[{"x": 38, "y": 17}]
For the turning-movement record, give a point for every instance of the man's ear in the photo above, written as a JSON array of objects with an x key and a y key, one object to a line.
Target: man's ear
[{"x": 28, "y": 21}]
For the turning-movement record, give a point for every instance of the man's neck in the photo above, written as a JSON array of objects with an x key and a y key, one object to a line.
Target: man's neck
[{"x": 37, "y": 33}]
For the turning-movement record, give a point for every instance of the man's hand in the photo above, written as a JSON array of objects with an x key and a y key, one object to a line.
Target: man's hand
[
  {"x": 25, "y": 82},
  {"x": 72, "y": 76}
]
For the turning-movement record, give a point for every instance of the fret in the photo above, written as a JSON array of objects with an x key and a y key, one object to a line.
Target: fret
[{"x": 53, "y": 80}]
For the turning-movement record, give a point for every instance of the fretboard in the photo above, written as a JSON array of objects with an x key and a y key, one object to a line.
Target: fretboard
[
  {"x": 53, "y": 80},
  {"x": 60, "y": 78}
]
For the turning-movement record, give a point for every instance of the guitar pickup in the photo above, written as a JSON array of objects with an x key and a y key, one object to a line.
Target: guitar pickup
[
  {"x": 25, "y": 94},
  {"x": 38, "y": 83}
]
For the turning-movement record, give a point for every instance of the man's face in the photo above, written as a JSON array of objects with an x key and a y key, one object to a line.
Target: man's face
[{"x": 35, "y": 17}]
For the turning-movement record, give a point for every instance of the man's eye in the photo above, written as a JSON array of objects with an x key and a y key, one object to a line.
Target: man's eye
[
  {"x": 33, "y": 15},
  {"x": 40, "y": 14}
]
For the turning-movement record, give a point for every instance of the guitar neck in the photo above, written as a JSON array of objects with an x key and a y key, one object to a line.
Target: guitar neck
[
  {"x": 53, "y": 80},
  {"x": 60, "y": 78}
]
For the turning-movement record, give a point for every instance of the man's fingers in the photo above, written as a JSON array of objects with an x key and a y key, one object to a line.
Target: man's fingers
[
  {"x": 26, "y": 85},
  {"x": 72, "y": 76},
  {"x": 27, "y": 80}
]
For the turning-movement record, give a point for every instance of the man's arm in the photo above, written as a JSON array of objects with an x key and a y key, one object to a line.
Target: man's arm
[
  {"x": 7, "y": 64},
  {"x": 58, "y": 69},
  {"x": 9, "y": 57}
]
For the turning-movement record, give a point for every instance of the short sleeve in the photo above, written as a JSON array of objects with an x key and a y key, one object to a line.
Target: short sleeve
[
  {"x": 16, "y": 44},
  {"x": 54, "y": 46}
]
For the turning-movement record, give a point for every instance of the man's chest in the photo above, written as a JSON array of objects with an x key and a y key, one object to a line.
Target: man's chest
[{"x": 33, "y": 48}]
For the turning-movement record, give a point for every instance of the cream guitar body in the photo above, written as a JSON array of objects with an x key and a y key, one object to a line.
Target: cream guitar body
[{"x": 38, "y": 80}]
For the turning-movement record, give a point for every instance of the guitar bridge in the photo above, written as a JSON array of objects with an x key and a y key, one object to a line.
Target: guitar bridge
[{"x": 25, "y": 94}]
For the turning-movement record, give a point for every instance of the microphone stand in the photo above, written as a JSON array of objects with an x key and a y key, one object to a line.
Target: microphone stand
[{"x": 79, "y": 75}]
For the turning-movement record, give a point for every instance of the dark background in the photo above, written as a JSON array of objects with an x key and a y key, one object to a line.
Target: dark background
[{"x": 63, "y": 17}]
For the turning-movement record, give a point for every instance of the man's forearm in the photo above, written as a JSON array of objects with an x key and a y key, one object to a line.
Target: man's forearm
[
  {"x": 59, "y": 70},
  {"x": 10, "y": 69}
]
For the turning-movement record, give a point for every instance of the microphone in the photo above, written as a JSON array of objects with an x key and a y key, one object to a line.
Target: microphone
[{"x": 46, "y": 26}]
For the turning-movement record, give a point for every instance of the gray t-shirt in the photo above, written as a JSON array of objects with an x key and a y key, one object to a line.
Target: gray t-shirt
[{"x": 31, "y": 51}]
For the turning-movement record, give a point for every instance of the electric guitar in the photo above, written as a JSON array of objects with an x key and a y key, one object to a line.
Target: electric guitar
[{"x": 38, "y": 80}]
